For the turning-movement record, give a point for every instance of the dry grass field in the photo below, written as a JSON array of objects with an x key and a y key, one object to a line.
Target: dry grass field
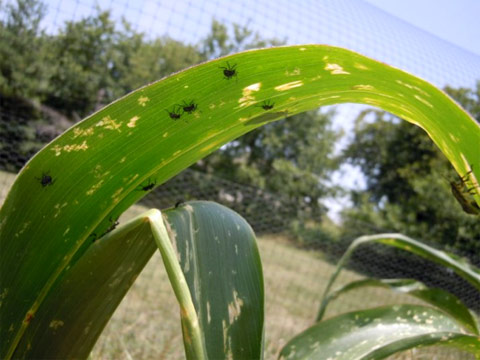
[{"x": 146, "y": 325}]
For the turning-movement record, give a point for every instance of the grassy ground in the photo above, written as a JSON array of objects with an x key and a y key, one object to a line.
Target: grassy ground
[{"x": 146, "y": 325}]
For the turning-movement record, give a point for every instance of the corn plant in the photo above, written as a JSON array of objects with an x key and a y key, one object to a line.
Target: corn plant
[{"x": 65, "y": 265}]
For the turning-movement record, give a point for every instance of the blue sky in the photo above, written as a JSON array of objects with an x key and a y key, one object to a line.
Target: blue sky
[
  {"x": 355, "y": 24},
  {"x": 457, "y": 21}
]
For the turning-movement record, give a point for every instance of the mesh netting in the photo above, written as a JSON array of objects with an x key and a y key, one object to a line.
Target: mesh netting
[{"x": 291, "y": 301}]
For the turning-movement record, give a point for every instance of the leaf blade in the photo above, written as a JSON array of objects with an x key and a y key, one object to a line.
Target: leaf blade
[
  {"x": 86, "y": 295},
  {"x": 378, "y": 333},
  {"x": 219, "y": 257},
  {"x": 439, "y": 298},
  {"x": 460, "y": 267}
]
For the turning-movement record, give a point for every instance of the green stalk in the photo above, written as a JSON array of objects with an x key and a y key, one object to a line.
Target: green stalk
[{"x": 193, "y": 339}]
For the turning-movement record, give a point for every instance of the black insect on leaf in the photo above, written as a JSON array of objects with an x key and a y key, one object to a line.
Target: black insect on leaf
[
  {"x": 189, "y": 107},
  {"x": 93, "y": 236},
  {"x": 176, "y": 112},
  {"x": 229, "y": 71},
  {"x": 113, "y": 225},
  {"x": 267, "y": 105},
  {"x": 46, "y": 179},
  {"x": 179, "y": 203},
  {"x": 149, "y": 186}
]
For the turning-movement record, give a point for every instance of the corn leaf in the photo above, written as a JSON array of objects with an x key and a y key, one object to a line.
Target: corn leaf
[
  {"x": 82, "y": 181},
  {"x": 377, "y": 333},
  {"x": 85, "y": 296},
  {"x": 220, "y": 260},
  {"x": 439, "y": 298},
  {"x": 459, "y": 266}
]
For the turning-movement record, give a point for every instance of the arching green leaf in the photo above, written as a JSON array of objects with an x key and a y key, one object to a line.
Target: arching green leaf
[
  {"x": 443, "y": 300},
  {"x": 377, "y": 333},
  {"x": 459, "y": 266},
  {"x": 83, "y": 180}
]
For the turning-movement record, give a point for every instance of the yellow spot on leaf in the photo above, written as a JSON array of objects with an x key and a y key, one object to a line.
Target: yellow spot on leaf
[
  {"x": 132, "y": 121},
  {"x": 363, "y": 87},
  {"x": 118, "y": 192},
  {"x": 247, "y": 94},
  {"x": 94, "y": 188},
  {"x": 327, "y": 98},
  {"x": 294, "y": 72},
  {"x": 111, "y": 124},
  {"x": 76, "y": 147},
  {"x": 289, "y": 85},
  {"x": 413, "y": 87},
  {"x": 59, "y": 208},
  {"x": 235, "y": 307},
  {"x": 454, "y": 138},
  {"x": 209, "y": 147},
  {"x": 69, "y": 148},
  {"x": 142, "y": 100},
  {"x": 336, "y": 69},
  {"x": 360, "y": 66},
  {"x": 133, "y": 179},
  {"x": 371, "y": 101},
  {"x": 82, "y": 132},
  {"x": 419, "y": 98},
  {"x": 209, "y": 318}
]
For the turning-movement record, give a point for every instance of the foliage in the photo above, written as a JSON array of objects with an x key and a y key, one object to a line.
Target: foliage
[
  {"x": 23, "y": 60},
  {"x": 81, "y": 182},
  {"x": 379, "y": 332},
  {"x": 408, "y": 180}
]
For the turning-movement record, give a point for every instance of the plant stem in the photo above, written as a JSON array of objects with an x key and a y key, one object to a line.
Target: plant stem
[{"x": 192, "y": 336}]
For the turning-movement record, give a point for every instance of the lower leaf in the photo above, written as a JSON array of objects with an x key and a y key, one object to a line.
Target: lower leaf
[{"x": 377, "y": 333}]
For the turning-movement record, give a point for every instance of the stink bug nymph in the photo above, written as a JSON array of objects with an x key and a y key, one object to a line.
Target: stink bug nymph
[
  {"x": 149, "y": 186},
  {"x": 45, "y": 180},
  {"x": 175, "y": 114},
  {"x": 267, "y": 105},
  {"x": 189, "y": 107},
  {"x": 229, "y": 71}
]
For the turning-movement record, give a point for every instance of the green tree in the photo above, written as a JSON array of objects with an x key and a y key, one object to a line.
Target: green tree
[
  {"x": 408, "y": 181},
  {"x": 47, "y": 82},
  {"x": 24, "y": 70}
]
